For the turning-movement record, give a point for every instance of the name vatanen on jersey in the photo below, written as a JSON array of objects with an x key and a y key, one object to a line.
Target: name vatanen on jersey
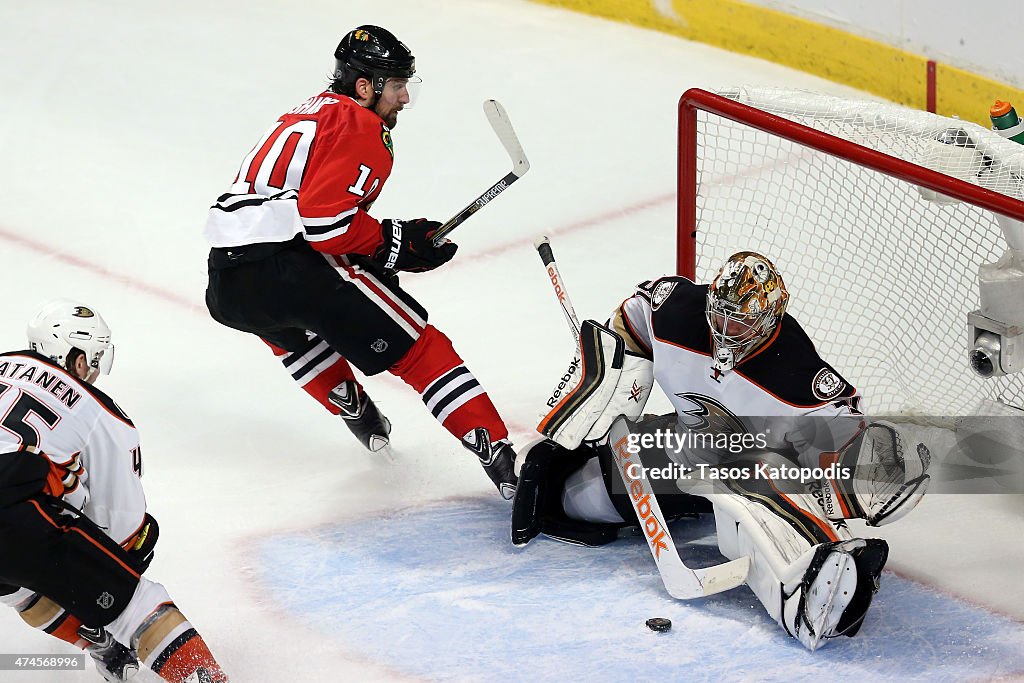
[{"x": 41, "y": 377}]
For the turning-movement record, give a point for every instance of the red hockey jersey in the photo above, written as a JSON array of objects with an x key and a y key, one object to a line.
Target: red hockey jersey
[{"x": 316, "y": 172}]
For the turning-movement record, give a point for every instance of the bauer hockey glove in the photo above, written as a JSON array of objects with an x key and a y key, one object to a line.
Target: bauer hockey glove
[{"x": 409, "y": 246}]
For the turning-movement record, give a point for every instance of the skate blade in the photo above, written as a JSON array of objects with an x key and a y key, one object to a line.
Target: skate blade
[{"x": 382, "y": 448}]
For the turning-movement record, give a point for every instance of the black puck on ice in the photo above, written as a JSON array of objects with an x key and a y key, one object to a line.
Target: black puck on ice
[{"x": 659, "y": 624}]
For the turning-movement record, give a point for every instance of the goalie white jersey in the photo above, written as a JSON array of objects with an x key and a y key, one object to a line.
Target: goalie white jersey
[
  {"x": 80, "y": 427},
  {"x": 769, "y": 393}
]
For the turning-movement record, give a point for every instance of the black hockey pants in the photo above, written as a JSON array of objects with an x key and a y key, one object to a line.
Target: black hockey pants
[
  {"x": 66, "y": 558},
  {"x": 281, "y": 291}
]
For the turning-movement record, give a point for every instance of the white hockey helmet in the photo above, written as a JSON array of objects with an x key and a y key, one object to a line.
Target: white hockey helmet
[
  {"x": 746, "y": 302},
  {"x": 62, "y": 325}
]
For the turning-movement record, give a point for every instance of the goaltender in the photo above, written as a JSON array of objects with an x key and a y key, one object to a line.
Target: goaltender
[{"x": 766, "y": 435}]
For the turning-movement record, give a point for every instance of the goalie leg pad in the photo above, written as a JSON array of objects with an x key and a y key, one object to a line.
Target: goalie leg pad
[
  {"x": 537, "y": 508},
  {"x": 813, "y": 590},
  {"x": 603, "y": 381}
]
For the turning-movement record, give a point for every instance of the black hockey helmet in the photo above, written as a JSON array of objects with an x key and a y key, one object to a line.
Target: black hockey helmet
[{"x": 373, "y": 53}]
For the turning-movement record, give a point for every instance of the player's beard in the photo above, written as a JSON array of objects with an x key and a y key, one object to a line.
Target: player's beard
[{"x": 390, "y": 117}]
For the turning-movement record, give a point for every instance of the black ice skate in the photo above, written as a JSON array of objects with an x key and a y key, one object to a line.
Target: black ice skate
[
  {"x": 361, "y": 415},
  {"x": 114, "y": 661},
  {"x": 498, "y": 460}
]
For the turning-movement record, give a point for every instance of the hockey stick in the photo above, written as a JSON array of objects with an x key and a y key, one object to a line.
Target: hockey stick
[
  {"x": 520, "y": 165},
  {"x": 543, "y": 246},
  {"x": 681, "y": 582}
]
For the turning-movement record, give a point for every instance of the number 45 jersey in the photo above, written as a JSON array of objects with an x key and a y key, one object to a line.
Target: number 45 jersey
[
  {"x": 81, "y": 428},
  {"x": 315, "y": 173}
]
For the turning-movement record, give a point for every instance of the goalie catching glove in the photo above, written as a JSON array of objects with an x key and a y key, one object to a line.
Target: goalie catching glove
[
  {"x": 603, "y": 381},
  {"x": 409, "y": 246},
  {"x": 883, "y": 479}
]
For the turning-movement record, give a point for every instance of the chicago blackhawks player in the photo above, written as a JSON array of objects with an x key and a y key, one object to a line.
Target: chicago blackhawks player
[{"x": 297, "y": 259}]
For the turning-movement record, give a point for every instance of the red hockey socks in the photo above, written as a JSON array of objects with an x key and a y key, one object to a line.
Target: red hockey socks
[
  {"x": 316, "y": 368},
  {"x": 449, "y": 390}
]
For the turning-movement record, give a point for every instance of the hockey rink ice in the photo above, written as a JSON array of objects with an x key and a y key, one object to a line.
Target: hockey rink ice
[{"x": 301, "y": 557}]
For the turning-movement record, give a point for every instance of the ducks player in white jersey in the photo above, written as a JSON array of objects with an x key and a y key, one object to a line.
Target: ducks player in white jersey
[
  {"x": 750, "y": 392},
  {"x": 75, "y": 537}
]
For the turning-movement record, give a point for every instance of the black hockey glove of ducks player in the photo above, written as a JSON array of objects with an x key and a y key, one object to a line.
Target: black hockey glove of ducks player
[{"x": 408, "y": 246}]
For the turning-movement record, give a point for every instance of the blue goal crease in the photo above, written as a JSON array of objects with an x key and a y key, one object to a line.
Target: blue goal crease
[{"x": 439, "y": 592}]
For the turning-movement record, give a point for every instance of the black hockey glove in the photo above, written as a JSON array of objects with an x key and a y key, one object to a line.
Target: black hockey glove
[
  {"x": 408, "y": 246},
  {"x": 141, "y": 550}
]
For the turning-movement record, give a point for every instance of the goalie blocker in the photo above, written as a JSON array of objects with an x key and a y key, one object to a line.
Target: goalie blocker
[{"x": 603, "y": 381}]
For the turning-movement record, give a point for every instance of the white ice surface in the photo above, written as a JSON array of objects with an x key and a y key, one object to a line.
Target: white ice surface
[{"x": 120, "y": 122}]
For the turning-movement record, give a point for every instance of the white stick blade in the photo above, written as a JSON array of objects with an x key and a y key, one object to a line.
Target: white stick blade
[
  {"x": 507, "y": 135},
  {"x": 723, "y": 577},
  {"x": 699, "y": 583}
]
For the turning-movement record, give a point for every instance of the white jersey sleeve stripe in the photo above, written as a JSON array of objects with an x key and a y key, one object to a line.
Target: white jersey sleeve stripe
[{"x": 323, "y": 229}]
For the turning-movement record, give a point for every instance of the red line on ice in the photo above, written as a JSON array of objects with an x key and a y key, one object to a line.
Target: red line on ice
[
  {"x": 70, "y": 259},
  {"x": 177, "y": 299}
]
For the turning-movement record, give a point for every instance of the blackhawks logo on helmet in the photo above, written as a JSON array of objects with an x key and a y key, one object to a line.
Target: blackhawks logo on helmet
[
  {"x": 360, "y": 34},
  {"x": 385, "y": 136}
]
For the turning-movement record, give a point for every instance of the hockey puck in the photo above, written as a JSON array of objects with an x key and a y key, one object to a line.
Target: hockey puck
[{"x": 659, "y": 624}]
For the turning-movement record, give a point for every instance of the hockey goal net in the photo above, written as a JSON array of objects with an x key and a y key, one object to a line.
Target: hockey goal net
[{"x": 854, "y": 202}]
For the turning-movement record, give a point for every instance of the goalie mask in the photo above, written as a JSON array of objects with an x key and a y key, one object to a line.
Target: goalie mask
[
  {"x": 746, "y": 302},
  {"x": 63, "y": 325}
]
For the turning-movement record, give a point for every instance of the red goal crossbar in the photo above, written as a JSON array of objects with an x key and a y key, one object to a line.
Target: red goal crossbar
[{"x": 696, "y": 99}]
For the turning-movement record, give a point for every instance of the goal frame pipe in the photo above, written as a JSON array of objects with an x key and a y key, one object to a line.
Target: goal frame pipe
[{"x": 696, "y": 99}]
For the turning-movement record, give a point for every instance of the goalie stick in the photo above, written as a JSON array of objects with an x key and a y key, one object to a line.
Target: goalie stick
[
  {"x": 681, "y": 582},
  {"x": 520, "y": 165},
  {"x": 543, "y": 246}
]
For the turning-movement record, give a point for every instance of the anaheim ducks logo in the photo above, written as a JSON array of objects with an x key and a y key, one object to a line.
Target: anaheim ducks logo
[
  {"x": 827, "y": 384},
  {"x": 83, "y": 312},
  {"x": 661, "y": 293},
  {"x": 385, "y": 137},
  {"x": 708, "y": 415}
]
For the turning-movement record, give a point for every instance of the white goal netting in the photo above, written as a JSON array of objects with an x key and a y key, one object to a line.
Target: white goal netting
[{"x": 881, "y": 278}]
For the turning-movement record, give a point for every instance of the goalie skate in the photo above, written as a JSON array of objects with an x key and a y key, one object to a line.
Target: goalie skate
[
  {"x": 836, "y": 590},
  {"x": 361, "y": 415}
]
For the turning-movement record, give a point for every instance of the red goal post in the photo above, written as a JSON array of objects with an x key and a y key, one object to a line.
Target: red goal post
[{"x": 824, "y": 185}]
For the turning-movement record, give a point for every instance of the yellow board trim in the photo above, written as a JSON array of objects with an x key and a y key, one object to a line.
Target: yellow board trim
[{"x": 814, "y": 48}]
